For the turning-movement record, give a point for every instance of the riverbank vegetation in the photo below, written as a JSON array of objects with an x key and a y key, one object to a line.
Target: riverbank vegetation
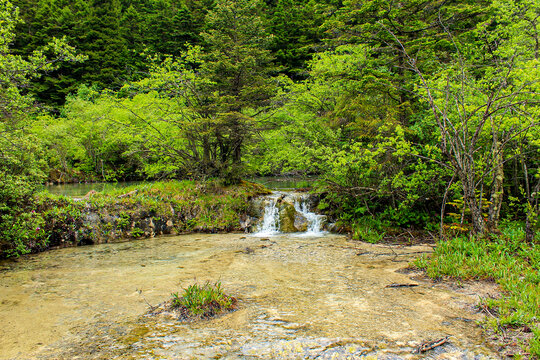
[
  {"x": 140, "y": 211},
  {"x": 510, "y": 262},
  {"x": 414, "y": 115}
]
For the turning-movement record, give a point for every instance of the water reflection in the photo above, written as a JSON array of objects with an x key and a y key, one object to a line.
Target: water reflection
[{"x": 81, "y": 189}]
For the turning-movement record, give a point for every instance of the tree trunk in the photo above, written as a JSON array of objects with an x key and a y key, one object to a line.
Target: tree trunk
[
  {"x": 477, "y": 221},
  {"x": 237, "y": 154},
  {"x": 469, "y": 197},
  {"x": 497, "y": 191}
]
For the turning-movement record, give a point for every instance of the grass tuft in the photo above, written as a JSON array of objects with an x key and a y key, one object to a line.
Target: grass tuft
[{"x": 202, "y": 301}]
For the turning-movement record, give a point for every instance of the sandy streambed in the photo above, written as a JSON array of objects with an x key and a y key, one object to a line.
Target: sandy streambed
[{"x": 300, "y": 298}]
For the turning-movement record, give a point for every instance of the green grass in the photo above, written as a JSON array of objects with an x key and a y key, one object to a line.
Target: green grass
[
  {"x": 505, "y": 259},
  {"x": 203, "y": 301},
  {"x": 368, "y": 229},
  {"x": 367, "y": 234}
]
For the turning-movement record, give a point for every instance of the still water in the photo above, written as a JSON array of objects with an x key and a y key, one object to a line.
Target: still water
[
  {"x": 300, "y": 298},
  {"x": 81, "y": 189}
]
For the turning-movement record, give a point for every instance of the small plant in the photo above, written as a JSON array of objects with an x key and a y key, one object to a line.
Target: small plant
[
  {"x": 123, "y": 221},
  {"x": 368, "y": 234},
  {"x": 203, "y": 301},
  {"x": 137, "y": 232}
]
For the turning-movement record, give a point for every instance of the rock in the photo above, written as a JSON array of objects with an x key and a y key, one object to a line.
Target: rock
[
  {"x": 131, "y": 193},
  {"x": 300, "y": 222},
  {"x": 89, "y": 194},
  {"x": 287, "y": 215},
  {"x": 245, "y": 222}
]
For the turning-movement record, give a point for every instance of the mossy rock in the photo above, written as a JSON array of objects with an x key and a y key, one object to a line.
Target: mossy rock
[{"x": 287, "y": 216}]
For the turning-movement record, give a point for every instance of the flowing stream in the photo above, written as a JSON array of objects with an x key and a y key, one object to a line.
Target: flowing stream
[
  {"x": 299, "y": 298},
  {"x": 277, "y": 205}
]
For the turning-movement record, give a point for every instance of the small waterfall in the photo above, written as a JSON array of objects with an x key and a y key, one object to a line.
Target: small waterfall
[
  {"x": 295, "y": 210},
  {"x": 270, "y": 223},
  {"x": 314, "y": 221}
]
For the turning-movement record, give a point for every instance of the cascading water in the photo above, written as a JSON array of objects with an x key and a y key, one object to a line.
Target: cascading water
[
  {"x": 314, "y": 221},
  {"x": 280, "y": 205},
  {"x": 270, "y": 222}
]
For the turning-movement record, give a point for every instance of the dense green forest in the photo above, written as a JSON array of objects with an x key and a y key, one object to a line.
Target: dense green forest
[
  {"x": 420, "y": 115},
  {"x": 400, "y": 107}
]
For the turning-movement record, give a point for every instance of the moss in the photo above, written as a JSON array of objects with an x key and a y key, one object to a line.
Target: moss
[{"x": 287, "y": 215}]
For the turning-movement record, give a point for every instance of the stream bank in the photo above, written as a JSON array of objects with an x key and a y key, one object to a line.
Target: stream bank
[
  {"x": 140, "y": 211},
  {"x": 160, "y": 208}
]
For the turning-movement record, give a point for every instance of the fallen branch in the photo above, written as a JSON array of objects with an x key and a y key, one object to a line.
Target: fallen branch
[
  {"x": 430, "y": 345},
  {"x": 394, "y": 285}
]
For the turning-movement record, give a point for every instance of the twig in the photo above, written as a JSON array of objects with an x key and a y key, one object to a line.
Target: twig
[
  {"x": 395, "y": 254},
  {"x": 430, "y": 345},
  {"x": 147, "y": 303}
]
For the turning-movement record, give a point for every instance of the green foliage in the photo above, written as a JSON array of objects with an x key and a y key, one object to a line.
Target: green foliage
[
  {"x": 116, "y": 36},
  {"x": 506, "y": 259},
  {"x": 300, "y": 144},
  {"x": 364, "y": 231},
  {"x": 190, "y": 118},
  {"x": 385, "y": 177},
  {"x": 399, "y": 109},
  {"x": 295, "y": 25},
  {"x": 20, "y": 151},
  {"x": 203, "y": 301}
]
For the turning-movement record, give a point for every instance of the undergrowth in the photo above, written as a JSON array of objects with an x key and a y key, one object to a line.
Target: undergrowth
[{"x": 509, "y": 261}]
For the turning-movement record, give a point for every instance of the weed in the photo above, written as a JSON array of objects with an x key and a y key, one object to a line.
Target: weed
[
  {"x": 367, "y": 234},
  {"x": 137, "y": 232},
  {"x": 203, "y": 300}
]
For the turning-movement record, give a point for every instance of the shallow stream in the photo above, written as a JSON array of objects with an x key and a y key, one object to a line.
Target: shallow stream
[{"x": 300, "y": 298}]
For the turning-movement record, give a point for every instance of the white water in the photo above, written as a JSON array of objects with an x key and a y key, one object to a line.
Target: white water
[
  {"x": 270, "y": 224},
  {"x": 315, "y": 221}
]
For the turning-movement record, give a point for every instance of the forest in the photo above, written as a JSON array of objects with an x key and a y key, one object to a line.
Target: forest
[{"x": 414, "y": 115}]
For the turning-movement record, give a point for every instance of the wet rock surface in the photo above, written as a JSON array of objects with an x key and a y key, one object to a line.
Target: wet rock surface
[{"x": 299, "y": 298}]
